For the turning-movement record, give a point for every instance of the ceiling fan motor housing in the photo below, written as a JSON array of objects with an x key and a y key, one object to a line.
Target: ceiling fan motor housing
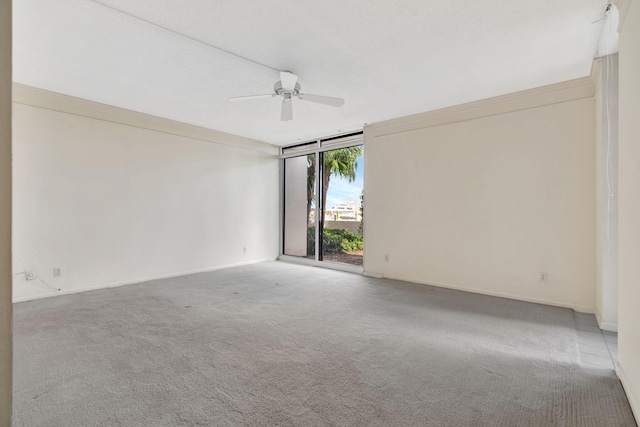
[{"x": 277, "y": 88}]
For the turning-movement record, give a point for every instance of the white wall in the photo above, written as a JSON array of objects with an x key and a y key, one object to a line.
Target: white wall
[
  {"x": 487, "y": 203},
  {"x": 5, "y": 213},
  {"x": 629, "y": 206},
  {"x": 607, "y": 192},
  {"x": 110, "y": 203}
]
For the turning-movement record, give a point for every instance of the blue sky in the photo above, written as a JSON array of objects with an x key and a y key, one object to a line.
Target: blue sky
[{"x": 341, "y": 190}]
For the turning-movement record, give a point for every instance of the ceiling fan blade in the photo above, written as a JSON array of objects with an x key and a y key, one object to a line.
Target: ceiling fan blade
[
  {"x": 286, "y": 113},
  {"x": 288, "y": 80},
  {"x": 327, "y": 100},
  {"x": 244, "y": 98}
]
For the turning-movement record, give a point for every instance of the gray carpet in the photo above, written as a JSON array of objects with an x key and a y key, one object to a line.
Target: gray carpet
[{"x": 279, "y": 344}]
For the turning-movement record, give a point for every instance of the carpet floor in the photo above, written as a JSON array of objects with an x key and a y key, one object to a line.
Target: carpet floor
[{"x": 276, "y": 344}]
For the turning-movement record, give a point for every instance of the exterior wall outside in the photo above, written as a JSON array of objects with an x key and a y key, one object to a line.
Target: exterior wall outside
[
  {"x": 295, "y": 210},
  {"x": 351, "y": 226}
]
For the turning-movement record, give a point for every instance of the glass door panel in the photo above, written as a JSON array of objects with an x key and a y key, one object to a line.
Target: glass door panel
[
  {"x": 300, "y": 206},
  {"x": 342, "y": 205}
]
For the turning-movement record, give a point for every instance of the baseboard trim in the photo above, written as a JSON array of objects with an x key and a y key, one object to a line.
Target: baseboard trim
[
  {"x": 608, "y": 326},
  {"x": 137, "y": 280},
  {"x": 576, "y": 307},
  {"x": 374, "y": 275},
  {"x": 605, "y": 326},
  {"x": 630, "y": 396}
]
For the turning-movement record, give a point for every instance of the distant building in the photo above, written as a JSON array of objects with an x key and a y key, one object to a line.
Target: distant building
[{"x": 346, "y": 211}]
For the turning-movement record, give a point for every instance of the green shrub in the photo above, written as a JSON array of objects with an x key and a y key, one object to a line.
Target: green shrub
[
  {"x": 334, "y": 241},
  {"x": 352, "y": 245}
]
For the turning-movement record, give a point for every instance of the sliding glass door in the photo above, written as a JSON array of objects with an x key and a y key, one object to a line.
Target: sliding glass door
[
  {"x": 342, "y": 198},
  {"x": 323, "y": 202}
]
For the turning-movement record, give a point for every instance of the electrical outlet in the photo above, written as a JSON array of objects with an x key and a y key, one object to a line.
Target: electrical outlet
[
  {"x": 57, "y": 272},
  {"x": 386, "y": 258},
  {"x": 30, "y": 274},
  {"x": 543, "y": 276},
  {"x": 244, "y": 250}
]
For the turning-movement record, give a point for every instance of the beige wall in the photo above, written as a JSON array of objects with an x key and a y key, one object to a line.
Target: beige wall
[
  {"x": 487, "y": 203},
  {"x": 629, "y": 206},
  {"x": 111, "y": 204},
  {"x": 5, "y": 213}
]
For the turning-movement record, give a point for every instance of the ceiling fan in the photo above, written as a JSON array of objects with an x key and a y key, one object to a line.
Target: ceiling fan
[{"x": 288, "y": 87}]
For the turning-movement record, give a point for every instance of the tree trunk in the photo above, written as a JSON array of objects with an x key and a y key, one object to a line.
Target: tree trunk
[
  {"x": 311, "y": 181},
  {"x": 326, "y": 176}
]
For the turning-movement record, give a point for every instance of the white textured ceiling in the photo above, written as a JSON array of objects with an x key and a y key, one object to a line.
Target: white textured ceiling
[{"x": 386, "y": 58}]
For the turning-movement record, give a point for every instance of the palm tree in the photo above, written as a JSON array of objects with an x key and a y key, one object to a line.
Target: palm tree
[{"x": 343, "y": 163}]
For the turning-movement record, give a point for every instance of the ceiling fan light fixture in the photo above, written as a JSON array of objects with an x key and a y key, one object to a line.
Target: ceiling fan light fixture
[{"x": 286, "y": 111}]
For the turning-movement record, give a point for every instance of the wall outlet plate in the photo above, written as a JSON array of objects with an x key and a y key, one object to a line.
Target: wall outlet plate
[{"x": 30, "y": 273}]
